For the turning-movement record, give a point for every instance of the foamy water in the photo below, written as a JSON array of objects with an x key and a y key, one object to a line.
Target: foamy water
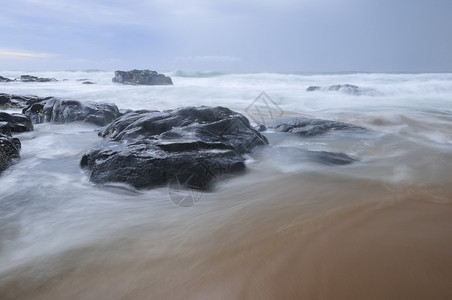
[{"x": 378, "y": 228}]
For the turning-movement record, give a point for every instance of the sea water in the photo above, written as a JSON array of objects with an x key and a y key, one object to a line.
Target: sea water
[{"x": 287, "y": 228}]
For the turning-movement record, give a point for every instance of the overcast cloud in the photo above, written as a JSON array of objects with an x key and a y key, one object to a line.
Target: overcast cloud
[{"x": 231, "y": 36}]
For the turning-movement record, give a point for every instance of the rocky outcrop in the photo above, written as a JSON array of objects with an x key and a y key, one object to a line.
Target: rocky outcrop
[
  {"x": 15, "y": 122},
  {"x": 29, "y": 78},
  {"x": 344, "y": 88},
  {"x": 9, "y": 150},
  {"x": 141, "y": 77},
  {"x": 65, "y": 111},
  {"x": 310, "y": 127},
  {"x": 190, "y": 146},
  {"x": 14, "y": 101},
  {"x": 4, "y": 79}
]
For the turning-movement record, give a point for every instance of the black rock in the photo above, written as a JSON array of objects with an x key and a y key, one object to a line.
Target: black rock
[
  {"x": 191, "y": 146},
  {"x": 65, "y": 111},
  {"x": 16, "y": 122},
  {"x": 9, "y": 150},
  {"x": 15, "y": 101},
  {"x": 87, "y": 82},
  {"x": 310, "y": 127},
  {"x": 141, "y": 77},
  {"x": 4, "y": 79},
  {"x": 29, "y": 78}
]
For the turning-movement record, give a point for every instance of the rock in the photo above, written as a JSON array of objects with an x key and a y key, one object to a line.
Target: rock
[
  {"x": 310, "y": 127},
  {"x": 291, "y": 155},
  {"x": 190, "y": 146},
  {"x": 344, "y": 88},
  {"x": 9, "y": 150},
  {"x": 4, "y": 79},
  {"x": 15, "y": 101},
  {"x": 29, "y": 78},
  {"x": 65, "y": 111},
  {"x": 313, "y": 88},
  {"x": 141, "y": 77},
  {"x": 16, "y": 122},
  {"x": 87, "y": 82}
]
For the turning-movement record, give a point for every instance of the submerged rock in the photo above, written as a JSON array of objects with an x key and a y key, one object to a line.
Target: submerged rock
[
  {"x": 292, "y": 155},
  {"x": 9, "y": 150},
  {"x": 141, "y": 77},
  {"x": 191, "y": 146},
  {"x": 310, "y": 127},
  {"x": 344, "y": 88},
  {"x": 65, "y": 111},
  {"x": 16, "y": 122}
]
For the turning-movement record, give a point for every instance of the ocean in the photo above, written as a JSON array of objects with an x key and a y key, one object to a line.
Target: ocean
[{"x": 379, "y": 228}]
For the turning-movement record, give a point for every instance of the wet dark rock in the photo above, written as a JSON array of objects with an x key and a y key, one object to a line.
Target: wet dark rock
[
  {"x": 15, "y": 101},
  {"x": 29, "y": 78},
  {"x": 344, "y": 88},
  {"x": 4, "y": 79},
  {"x": 292, "y": 155},
  {"x": 141, "y": 77},
  {"x": 9, "y": 150},
  {"x": 65, "y": 111},
  {"x": 310, "y": 127},
  {"x": 88, "y": 82},
  {"x": 16, "y": 122},
  {"x": 191, "y": 146}
]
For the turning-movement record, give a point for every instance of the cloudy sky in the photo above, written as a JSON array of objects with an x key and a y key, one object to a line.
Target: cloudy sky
[{"x": 227, "y": 35}]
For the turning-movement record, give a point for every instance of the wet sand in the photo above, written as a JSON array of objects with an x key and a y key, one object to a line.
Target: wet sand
[{"x": 388, "y": 243}]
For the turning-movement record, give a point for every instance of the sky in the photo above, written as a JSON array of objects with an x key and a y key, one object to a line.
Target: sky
[{"x": 227, "y": 35}]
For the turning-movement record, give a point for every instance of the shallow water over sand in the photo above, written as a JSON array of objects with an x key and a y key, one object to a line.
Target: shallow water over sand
[{"x": 378, "y": 228}]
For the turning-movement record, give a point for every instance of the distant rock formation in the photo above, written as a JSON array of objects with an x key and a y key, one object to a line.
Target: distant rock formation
[
  {"x": 345, "y": 88},
  {"x": 27, "y": 78},
  {"x": 65, "y": 111},
  {"x": 4, "y": 79},
  {"x": 141, "y": 77}
]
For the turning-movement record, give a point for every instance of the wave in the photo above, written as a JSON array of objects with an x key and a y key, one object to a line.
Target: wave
[{"x": 196, "y": 74}]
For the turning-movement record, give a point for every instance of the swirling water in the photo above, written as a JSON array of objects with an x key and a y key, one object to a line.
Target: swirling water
[{"x": 378, "y": 228}]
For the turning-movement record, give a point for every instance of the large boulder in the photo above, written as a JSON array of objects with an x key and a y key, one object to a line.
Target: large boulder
[
  {"x": 141, "y": 77},
  {"x": 16, "y": 122},
  {"x": 65, "y": 111},
  {"x": 310, "y": 127},
  {"x": 9, "y": 150},
  {"x": 190, "y": 146}
]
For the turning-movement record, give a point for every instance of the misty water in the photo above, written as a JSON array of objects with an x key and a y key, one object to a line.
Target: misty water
[{"x": 380, "y": 227}]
